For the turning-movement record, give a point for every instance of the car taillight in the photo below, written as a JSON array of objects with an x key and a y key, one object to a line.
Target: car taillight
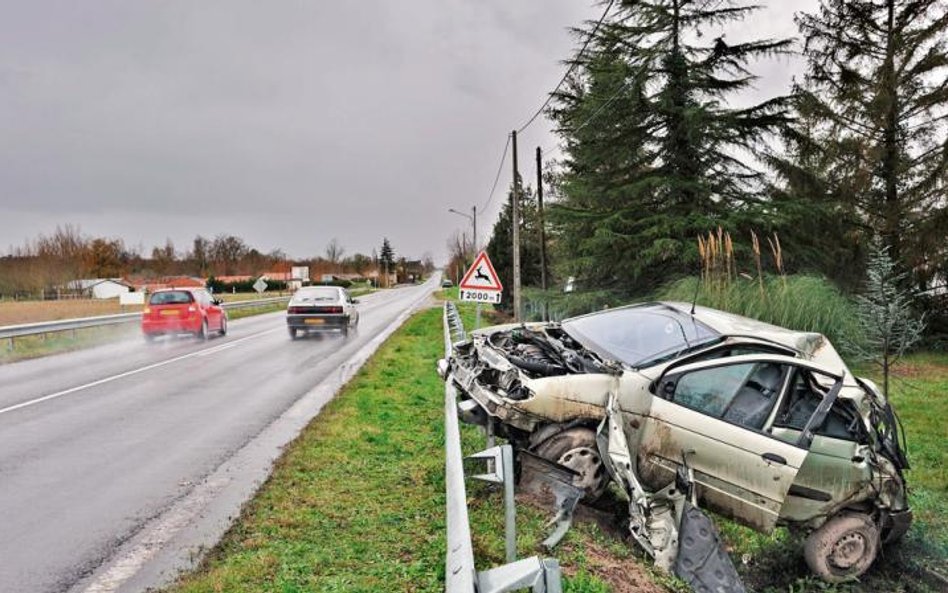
[
  {"x": 293, "y": 310},
  {"x": 192, "y": 308},
  {"x": 333, "y": 309},
  {"x": 146, "y": 311}
]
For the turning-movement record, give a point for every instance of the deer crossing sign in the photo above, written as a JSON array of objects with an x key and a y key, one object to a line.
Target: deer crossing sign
[{"x": 481, "y": 283}]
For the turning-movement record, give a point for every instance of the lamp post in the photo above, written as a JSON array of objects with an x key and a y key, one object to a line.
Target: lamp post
[{"x": 473, "y": 220}]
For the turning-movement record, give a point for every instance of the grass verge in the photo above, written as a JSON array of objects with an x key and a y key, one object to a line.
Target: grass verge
[{"x": 357, "y": 501}]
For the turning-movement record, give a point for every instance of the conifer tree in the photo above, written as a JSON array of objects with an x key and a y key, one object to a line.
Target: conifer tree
[
  {"x": 877, "y": 89},
  {"x": 885, "y": 312},
  {"x": 647, "y": 112}
]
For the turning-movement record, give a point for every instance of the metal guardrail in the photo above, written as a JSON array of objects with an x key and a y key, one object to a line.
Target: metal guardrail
[
  {"x": 46, "y": 327},
  {"x": 539, "y": 575}
]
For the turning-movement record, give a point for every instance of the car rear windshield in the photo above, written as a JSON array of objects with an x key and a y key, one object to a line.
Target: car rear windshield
[
  {"x": 640, "y": 336},
  {"x": 171, "y": 297},
  {"x": 313, "y": 295}
]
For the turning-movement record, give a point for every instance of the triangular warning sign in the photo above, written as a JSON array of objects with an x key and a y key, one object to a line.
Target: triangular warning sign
[{"x": 481, "y": 275}]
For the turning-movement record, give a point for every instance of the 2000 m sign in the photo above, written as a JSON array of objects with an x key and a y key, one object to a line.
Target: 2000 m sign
[{"x": 480, "y": 296}]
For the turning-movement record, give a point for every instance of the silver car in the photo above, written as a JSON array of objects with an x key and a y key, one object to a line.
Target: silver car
[
  {"x": 767, "y": 425},
  {"x": 320, "y": 309}
]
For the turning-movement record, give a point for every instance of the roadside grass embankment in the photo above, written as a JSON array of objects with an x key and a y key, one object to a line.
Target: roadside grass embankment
[{"x": 356, "y": 503}]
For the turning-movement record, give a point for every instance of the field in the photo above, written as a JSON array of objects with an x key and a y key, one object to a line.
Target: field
[
  {"x": 357, "y": 501},
  {"x": 17, "y": 312}
]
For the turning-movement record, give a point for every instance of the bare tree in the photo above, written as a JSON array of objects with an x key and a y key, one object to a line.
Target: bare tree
[{"x": 334, "y": 251}]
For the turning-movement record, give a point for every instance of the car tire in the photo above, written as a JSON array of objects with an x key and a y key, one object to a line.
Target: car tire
[
  {"x": 202, "y": 333},
  {"x": 842, "y": 548},
  {"x": 293, "y": 333},
  {"x": 576, "y": 449},
  {"x": 223, "y": 330},
  {"x": 345, "y": 328}
]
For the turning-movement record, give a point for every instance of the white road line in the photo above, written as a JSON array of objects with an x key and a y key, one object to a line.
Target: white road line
[
  {"x": 158, "y": 534},
  {"x": 149, "y": 367}
]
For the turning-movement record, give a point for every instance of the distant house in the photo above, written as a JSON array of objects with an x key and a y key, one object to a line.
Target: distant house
[
  {"x": 97, "y": 288},
  {"x": 234, "y": 279},
  {"x": 295, "y": 277},
  {"x": 153, "y": 284}
]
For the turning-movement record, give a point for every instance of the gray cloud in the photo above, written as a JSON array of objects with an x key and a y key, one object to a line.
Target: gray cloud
[{"x": 287, "y": 122}]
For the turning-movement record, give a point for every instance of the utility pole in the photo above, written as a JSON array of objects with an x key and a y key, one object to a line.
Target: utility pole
[
  {"x": 515, "y": 220},
  {"x": 542, "y": 229}
]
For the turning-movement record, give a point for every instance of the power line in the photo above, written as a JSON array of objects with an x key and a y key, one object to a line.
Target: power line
[
  {"x": 500, "y": 167},
  {"x": 570, "y": 69},
  {"x": 594, "y": 114}
]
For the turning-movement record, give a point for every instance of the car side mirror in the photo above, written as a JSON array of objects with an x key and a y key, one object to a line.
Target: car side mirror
[{"x": 218, "y": 302}]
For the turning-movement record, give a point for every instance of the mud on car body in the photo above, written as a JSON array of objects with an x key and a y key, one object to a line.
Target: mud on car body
[{"x": 759, "y": 423}]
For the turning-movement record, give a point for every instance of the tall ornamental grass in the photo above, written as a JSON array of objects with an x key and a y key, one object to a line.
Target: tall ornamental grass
[{"x": 799, "y": 302}]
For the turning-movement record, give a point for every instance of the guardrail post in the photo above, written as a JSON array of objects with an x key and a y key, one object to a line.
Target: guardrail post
[{"x": 510, "y": 508}]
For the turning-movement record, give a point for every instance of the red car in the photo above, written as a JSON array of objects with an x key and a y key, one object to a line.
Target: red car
[{"x": 183, "y": 310}]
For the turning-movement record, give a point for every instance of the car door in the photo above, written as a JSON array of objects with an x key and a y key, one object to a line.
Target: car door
[
  {"x": 716, "y": 416},
  {"x": 211, "y": 311}
]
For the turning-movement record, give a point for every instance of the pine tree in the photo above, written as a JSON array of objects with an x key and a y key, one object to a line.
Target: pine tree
[
  {"x": 877, "y": 85},
  {"x": 885, "y": 312},
  {"x": 647, "y": 114},
  {"x": 386, "y": 259}
]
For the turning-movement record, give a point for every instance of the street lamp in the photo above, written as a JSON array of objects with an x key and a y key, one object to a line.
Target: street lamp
[{"x": 473, "y": 220}]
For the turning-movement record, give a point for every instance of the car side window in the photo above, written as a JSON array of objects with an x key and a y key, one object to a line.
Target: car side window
[
  {"x": 742, "y": 394},
  {"x": 803, "y": 397}
]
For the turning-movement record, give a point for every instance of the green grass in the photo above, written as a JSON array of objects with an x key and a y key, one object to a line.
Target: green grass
[
  {"x": 357, "y": 501},
  {"x": 251, "y": 311}
]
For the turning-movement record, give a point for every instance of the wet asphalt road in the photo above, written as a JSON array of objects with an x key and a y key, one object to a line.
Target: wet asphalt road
[{"x": 127, "y": 429}]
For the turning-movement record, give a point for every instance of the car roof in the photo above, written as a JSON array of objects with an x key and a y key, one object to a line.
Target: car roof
[
  {"x": 183, "y": 288},
  {"x": 813, "y": 345}
]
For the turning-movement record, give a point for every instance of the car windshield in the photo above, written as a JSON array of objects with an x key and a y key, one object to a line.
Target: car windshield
[
  {"x": 640, "y": 336},
  {"x": 170, "y": 297},
  {"x": 312, "y": 295}
]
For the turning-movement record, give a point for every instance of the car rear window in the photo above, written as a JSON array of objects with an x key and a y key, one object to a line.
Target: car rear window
[
  {"x": 171, "y": 297},
  {"x": 316, "y": 295},
  {"x": 640, "y": 336}
]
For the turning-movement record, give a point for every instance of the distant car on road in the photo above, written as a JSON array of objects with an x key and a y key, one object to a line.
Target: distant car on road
[
  {"x": 183, "y": 310},
  {"x": 321, "y": 308},
  {"x": 446, "y": 283}
]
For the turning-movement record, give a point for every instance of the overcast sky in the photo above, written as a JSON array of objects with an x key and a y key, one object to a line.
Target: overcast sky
[{"x": 286, "y": 123}]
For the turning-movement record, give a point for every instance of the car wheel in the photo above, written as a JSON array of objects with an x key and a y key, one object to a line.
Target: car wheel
[
  {"x": 292, "y": 331},
  {"x": 202, "y": 333},
  {"x": 223, "y": 330},
  {"x": 345, "y": 328},
  {"x": 842, "y": 548},
  {"x": 576, "y": 449}
]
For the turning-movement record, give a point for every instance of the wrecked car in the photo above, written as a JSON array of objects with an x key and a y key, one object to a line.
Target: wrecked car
[{"x": 678, "y": 403}]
